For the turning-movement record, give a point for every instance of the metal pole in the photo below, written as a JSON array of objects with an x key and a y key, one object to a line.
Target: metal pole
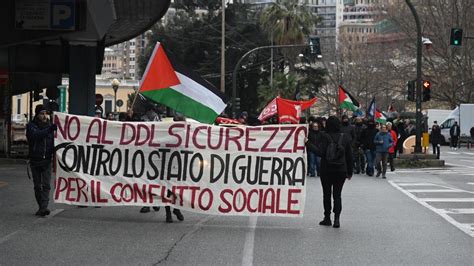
[
  {"x": 223, "y": 48},
  {"x": 115, "y": 101},
  {"x": 271, "y": 66},
  {"x": 419, "y": 47},
  {"x": 234, "y": 73}
]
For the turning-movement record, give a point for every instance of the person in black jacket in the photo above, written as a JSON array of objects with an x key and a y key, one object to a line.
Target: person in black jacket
[
  {"x": 367, "y": 144},
  {"x": 39, "y": 133},
  {"x": 455, "y": 132},
  {"x": 436, "y": 139},
  {"x": 332, "y": 178}
]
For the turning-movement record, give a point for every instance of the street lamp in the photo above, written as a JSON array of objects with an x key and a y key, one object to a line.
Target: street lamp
[{"x": 115, "y": 85}]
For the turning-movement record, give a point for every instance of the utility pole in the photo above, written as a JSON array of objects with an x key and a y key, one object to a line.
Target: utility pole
[
  {"x": 419, "y": 46},
  {"x": 223, "y": 48}
]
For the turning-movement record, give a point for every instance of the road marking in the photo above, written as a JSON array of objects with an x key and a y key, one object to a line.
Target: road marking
[
  {"x": 247, "y": 259},
  {"x": 452, "y": 152},
  {"x": 447, "y": 199},
  {"x": 3, "y": 184},
  {"x": 463, "y": 227},
  {"x": 461, "y": 165},
  {"x": 415, "y": 184},
  {"x": 470, "y": 183},
  {"x": 460, "y": 211},
  {"x": 433, "y": 190},
  {"x": 7, "y": 237}
]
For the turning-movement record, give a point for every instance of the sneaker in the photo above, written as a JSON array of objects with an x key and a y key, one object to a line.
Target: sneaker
[
  {"x": 336, "y": 223},
  {"x": 156, "y": 208},
  {"x": 378, "y": 174},
  {"x": 178, "y": 214},
  {"x": 145, "y": 209},
  {"x": 384, "y": 177}
]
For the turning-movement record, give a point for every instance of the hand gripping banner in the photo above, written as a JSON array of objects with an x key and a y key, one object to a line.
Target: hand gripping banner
[{"x": 191, "y": 166}]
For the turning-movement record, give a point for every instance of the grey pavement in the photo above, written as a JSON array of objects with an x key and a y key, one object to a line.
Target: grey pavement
[{"x": 380, "y": 225}]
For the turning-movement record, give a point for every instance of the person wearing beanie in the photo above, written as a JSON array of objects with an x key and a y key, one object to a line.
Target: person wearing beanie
[
  {"x": 332, "y": 177},
  {"x": 39, "y": 133}
]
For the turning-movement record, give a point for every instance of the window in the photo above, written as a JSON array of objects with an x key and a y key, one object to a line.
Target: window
[
  {"x": 108, "y": 106},
  {"x": 18, "y": 106}
]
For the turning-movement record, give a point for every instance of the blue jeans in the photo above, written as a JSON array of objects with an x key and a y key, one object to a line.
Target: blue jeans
[
  {"x": 370, "y": 156},
  {"x": 312, "y": 163}
]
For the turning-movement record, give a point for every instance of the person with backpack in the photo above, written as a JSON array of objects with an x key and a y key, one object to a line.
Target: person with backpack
[{"x": 335, "y": 150}]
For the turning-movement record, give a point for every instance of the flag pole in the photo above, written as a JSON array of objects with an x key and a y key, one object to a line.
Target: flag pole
[{"x": 134, "y": 98}]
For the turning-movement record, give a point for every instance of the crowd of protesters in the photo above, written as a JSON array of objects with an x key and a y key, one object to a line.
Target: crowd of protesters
[
  {"x": 368, "y": 148},
  {"x": 374, "y": 145}
]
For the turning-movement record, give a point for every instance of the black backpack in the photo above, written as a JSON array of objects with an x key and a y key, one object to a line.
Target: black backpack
[{"x": 335, "y": 154}]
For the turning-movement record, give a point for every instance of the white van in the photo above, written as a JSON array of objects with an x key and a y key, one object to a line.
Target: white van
[{"x": 464, "y": 115}]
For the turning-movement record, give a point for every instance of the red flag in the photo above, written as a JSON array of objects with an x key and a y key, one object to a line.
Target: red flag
[
  {"x": 269, "y": 110},
  {"x": 290, "y": 111},
  {"x": 225, "y": 120}
]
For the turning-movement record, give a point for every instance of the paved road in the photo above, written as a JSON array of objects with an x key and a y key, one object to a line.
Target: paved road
[{"x": 383, "y": 222}]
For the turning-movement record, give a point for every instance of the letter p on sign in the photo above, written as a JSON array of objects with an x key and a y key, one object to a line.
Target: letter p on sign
[{"x": 62, "y": 15}]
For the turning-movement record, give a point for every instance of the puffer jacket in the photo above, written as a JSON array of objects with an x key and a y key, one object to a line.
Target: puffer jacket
[{"x": 383, "y": 141}]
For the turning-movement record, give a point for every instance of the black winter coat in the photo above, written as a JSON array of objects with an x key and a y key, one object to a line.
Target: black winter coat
[
  {"x": 436, "y": 137},
  {"x": 320, "y": 146},
  {"x": 40, "y": 141},
  {"x": 367, "y": 138}
]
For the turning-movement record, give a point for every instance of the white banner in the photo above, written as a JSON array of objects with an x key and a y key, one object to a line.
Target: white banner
[{"x": 191, "y": 166}]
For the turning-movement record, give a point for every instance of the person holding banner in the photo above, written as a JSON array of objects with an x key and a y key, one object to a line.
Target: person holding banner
[
  {"x": 39, "y": 133},
  {"x": 333, "y": 176}
]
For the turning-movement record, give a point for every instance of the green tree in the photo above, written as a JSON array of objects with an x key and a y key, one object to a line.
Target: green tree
[
  {"x": 195, "y": 41},
  {"x": 284, "y": 85},
  {"x": 288, "y": 22}
]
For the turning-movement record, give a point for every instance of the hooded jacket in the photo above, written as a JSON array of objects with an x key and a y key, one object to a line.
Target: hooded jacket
[{"x": 322, "y": 141}]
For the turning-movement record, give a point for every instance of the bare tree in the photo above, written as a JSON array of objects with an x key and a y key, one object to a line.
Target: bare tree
[{"x": 449, "y": 68}]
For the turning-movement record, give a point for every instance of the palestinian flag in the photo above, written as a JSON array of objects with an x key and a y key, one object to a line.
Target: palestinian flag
[
  {"x": 346, "y": 101},
  {"x": 375, "y": 113},
  {"x": 169, "y": 83}
]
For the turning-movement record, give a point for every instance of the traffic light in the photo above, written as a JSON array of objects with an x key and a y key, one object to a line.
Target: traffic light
[
  {"x": 426, "y": 90},
  {"x": 237, "y": 104},
  {"x": 411, "y": 90},
  {"x": 315, "y": 45},
  {"x": 52, "y": 93},
  {"x": 456, "y": 37}
]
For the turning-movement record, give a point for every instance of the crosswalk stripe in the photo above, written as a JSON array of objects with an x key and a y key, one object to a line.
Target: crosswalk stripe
[
  {"x": 433, "y": 190},
  {"x": 460, "y": 165},
  {"x": 466, "y": 228},
  {"x": 447, "y": 199},
  {"x": 460, "y": 211},
  {"x": 415, "y": 184}
]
